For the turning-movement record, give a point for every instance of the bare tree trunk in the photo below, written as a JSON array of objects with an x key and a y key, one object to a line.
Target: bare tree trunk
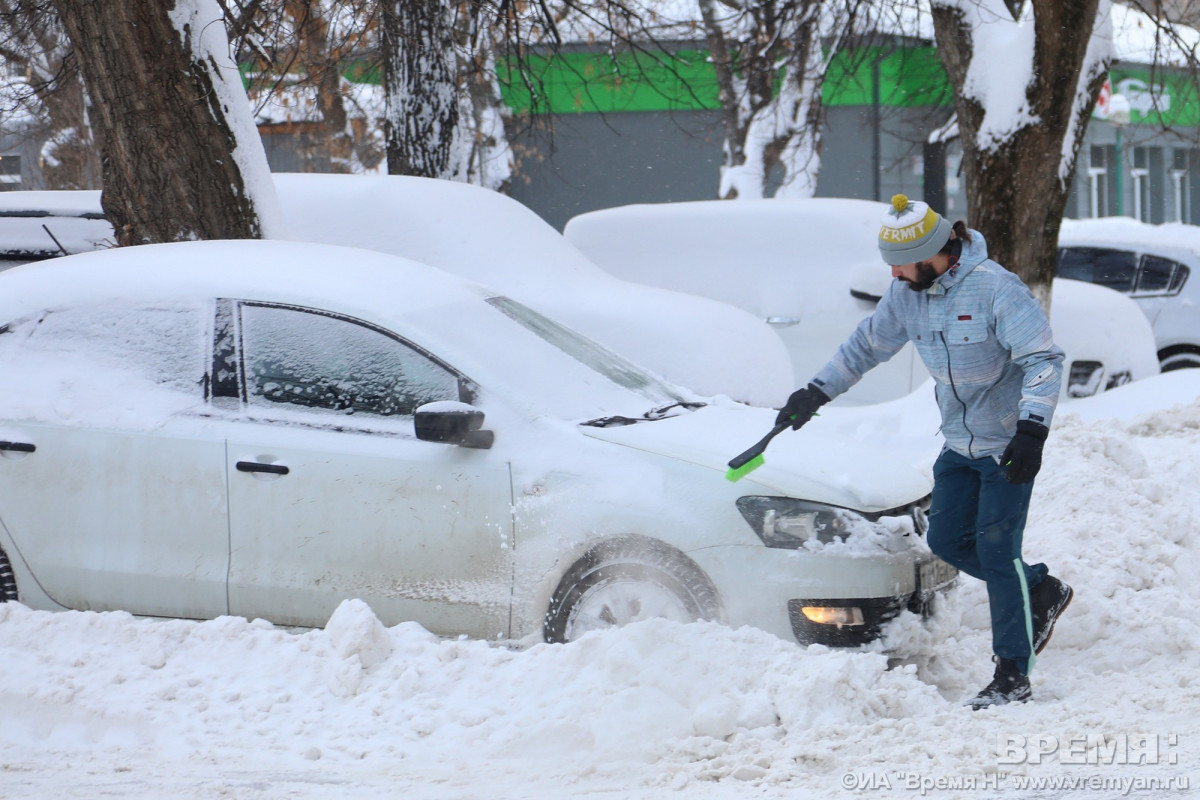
[
  {"x": 770, "y": 67},
  {"x": 722, "y": 58},
  {"x": 71, "y": 157},
  {"x": 420, "y": 84},
  {"x": 168, "y": 142},
  {"x": 1015, "y": 192},
  {"x": 484, "y": 157},
  {"x": 312, "y": 42},
  {"x": 33, "y": 42},
  {"x": 322, "y": 59}
]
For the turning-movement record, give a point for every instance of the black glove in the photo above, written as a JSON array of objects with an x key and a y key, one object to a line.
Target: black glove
[
  {"x": 801, "y": 406},
  {"x": 1023, "y": 456}
]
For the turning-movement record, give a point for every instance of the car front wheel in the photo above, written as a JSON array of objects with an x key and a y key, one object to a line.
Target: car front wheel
[
  {"x": 624, "y": 580},
  {"x": 1180, "y": 357}
]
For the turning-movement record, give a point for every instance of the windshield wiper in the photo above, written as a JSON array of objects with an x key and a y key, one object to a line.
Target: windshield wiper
[
  {"x": 661, "y": 412},
  {"x": 611, "y": 422}
]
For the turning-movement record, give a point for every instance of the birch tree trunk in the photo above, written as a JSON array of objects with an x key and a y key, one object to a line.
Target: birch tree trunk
[
  {"x": 769, "y": 65},
  {"x": 420, "y": 85}
]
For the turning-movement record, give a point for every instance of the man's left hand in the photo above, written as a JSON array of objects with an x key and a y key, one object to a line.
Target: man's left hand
[{"x": 1023, "y": 456}]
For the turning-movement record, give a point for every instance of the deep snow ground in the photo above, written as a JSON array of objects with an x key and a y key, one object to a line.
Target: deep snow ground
[{"x": 108, "y": 705}]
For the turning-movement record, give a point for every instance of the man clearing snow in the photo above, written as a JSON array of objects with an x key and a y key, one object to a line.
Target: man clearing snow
[{"x": 986, "y": 342}]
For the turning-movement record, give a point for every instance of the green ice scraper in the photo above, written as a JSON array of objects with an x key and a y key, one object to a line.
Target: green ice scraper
[{"x": 752, "y": 459}]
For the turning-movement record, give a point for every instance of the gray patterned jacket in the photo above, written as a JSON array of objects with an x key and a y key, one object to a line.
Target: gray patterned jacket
[{"x": 983, "y": 337}]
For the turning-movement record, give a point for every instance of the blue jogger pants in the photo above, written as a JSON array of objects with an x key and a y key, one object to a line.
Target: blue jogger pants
[{"x": 976, "y": 523}]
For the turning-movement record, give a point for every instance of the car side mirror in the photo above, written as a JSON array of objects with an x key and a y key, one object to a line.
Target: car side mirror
[
  {"x": 869, "y": 282},
  {"x": 451, "y": 422}
]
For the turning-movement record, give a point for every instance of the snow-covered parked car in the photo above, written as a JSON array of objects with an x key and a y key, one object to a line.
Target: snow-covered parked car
[
  {"x": 811, "y": 269},
  {"x": 264, "y": 429},
  {"x": 703, "y": 343},
  {"x": 39, "y": 225},
  {"x": 1151, "y": 264}
]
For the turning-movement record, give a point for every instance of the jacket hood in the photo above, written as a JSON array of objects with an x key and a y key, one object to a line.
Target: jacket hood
[
  {"x": 973, "y": 254},
  {"x": 975, "y": 251},
  {"x": 806, "y": 464}
]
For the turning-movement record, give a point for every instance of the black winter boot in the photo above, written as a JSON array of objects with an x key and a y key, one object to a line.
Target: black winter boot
[
  {"x": 1048, "y": 600},
  {"x": 1008, "y": 686}
]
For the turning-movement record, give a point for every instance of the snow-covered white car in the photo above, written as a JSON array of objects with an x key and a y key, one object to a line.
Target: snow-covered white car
[
  {"x": 708, "y": 345},
  {"x": 811, "y": 269},
  {"x": 1151, "y": 264},
  {"x": 39, "y": 225},
  {"x": 264, "y": 429}
]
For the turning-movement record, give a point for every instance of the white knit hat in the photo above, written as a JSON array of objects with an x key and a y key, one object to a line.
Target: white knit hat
[{"x": 911, "y": 232}]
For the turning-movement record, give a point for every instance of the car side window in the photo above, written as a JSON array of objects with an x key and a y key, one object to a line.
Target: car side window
[
  {"x": 161, "y": 344},
  {"x": 1179, "y": 278},
  {"x": 329, "y": 364},
  {"x": 116, "y": 363},
  {"x": 1115, "y": 269},
  {"x": 1161, "y": 276},
  {"x": 1155, "y": 276}
]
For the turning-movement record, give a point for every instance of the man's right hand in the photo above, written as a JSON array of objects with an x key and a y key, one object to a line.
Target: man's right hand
[{"x": 801, "y": 406}]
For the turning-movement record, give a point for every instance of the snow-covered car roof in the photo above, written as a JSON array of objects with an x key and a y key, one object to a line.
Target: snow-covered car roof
[
  {"x": 439, "y": 310},
  {"x": 803, "y": 258},
  {"x": 757, "y": 254},
  {"x": 705, "y": 344},
  {"x": 1175, "y": 239}
]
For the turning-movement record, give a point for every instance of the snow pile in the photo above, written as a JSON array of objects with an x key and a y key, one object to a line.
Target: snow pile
[{"x": 105, "y": 703}]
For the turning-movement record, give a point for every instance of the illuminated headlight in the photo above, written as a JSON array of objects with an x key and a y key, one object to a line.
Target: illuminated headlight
[
  {"x": 834, "y": 615},
  {"x": 789, "y": 523}
]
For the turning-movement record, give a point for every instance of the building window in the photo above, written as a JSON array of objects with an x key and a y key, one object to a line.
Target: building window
[
  {"x": 1183, "y": 177},
  {"x": 1102, "y": 177},
  {"x": 1179, "y": 187},
  {"x": 1147, "y": 173},
  {"x": 1140, "y": 173},
  {"x": 10, "y": 173}
]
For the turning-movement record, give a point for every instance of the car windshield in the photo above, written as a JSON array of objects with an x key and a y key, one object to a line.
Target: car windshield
[{"x": 592, "y": 355}]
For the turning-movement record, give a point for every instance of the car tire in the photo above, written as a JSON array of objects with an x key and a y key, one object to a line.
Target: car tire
[
  {"x": 1179, "y": 357},
  {"x": 627, "y": 579},
  {"x": 8, "y": 581}
]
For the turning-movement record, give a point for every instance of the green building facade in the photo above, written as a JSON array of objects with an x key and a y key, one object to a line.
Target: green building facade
[{"x": 645, "y": 127}]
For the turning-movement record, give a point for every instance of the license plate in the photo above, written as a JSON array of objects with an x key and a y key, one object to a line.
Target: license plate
[{"x": 934, "y": 575}]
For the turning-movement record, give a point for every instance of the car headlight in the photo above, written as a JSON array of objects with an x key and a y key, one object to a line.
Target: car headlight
[{"x": 790, "y": 523}]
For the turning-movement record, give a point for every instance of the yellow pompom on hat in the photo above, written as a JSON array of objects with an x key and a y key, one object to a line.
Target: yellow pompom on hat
[{"x": 911, "y": 232}]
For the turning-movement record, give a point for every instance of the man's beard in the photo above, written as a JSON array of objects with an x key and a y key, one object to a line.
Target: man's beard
[{"x": 926, "y": 275}]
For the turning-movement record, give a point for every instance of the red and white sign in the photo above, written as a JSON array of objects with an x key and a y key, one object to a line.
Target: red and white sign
[{"x": 1102, "y": 102}]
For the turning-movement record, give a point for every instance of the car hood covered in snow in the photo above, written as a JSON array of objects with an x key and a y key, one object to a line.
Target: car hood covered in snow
[{"x": 808, "y": 464}]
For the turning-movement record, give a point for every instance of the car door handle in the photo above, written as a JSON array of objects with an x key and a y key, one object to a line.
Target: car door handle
[
  {"x": 17, "y": 447},
  {"x": 254, "y": 466}
]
